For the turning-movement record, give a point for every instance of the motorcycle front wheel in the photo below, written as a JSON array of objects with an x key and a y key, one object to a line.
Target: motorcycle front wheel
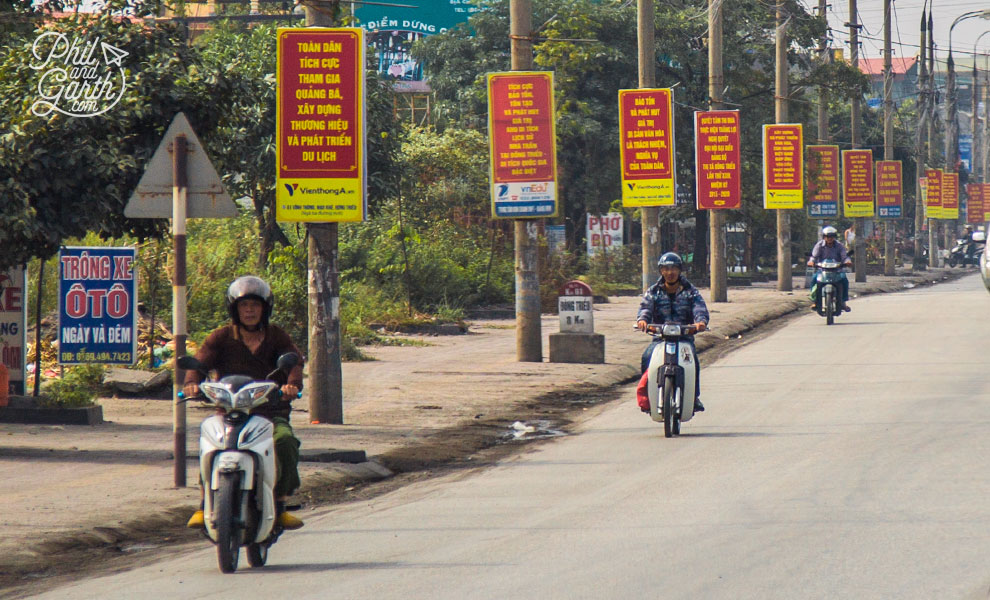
[
  {"x": 952, "y": 261},
  {"x": 228, "y": 538},
  {"x": 668, "y": 406},
  {"x": 829, "y": 308},
  {"x": 257, "y": 554}
]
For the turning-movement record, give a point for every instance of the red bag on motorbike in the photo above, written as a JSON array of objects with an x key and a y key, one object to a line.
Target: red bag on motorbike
[{"x": 642, "y": 391}]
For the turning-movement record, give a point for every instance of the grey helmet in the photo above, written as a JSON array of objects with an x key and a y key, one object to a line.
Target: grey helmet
[
  {"x": 670, "y": 259},
  {"x": 829, "y": 231},
  {"x": 253, "y": 287}
]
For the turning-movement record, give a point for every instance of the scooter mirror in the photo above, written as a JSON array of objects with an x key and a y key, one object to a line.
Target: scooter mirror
[
  {"x": 189, "y": 363},
  {"x": 287, "y": 361}
]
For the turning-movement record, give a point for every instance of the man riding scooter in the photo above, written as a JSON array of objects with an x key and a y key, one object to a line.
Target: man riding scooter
[
  {"x": 828, "y": 248},
  {"x": 673, "y": 299}
]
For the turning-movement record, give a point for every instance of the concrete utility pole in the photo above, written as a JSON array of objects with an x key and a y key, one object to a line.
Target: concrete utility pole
[
  {"x": 529, "y": 342},
  {"x": 649, "y": 215},
  {"x": 977, "y": 152},
  {"x": 824, "y": 56},
  {"x": 325, "y": 384},
  {"x": 919, "y": 149},
  {"x": 986, "y": 121},
  {"x": 716, "y": 84},
  {"x": 888, "y": 133},
  {"x": 860, "y": 222},
  {"x": 785, "y": 281},
  {"x": 932, "y": 149}
]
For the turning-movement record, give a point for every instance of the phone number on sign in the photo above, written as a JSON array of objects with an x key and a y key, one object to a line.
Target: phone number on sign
[{"x": 68, "y": 357}]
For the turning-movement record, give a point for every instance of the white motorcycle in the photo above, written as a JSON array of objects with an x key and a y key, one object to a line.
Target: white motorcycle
[
  {"x": 237, "y": 465},
  {"x": 672, "y": 377}
]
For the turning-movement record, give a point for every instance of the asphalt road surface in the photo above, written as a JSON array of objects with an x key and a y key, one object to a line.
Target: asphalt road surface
[{"x": 833, "y": 462}]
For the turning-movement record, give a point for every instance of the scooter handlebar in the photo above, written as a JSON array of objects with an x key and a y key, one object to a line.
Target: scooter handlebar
[{"x": 657, "y": 328}]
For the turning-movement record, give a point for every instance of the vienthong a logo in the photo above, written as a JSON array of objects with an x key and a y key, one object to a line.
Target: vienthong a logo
[
  {"x": 291, "y": 187},
  {"x": 79, "y": 77},
  {"x": 322, "y": 190}
]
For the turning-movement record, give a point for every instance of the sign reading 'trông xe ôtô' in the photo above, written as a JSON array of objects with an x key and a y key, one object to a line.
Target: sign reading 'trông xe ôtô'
[{"x": 97, "y": 302}]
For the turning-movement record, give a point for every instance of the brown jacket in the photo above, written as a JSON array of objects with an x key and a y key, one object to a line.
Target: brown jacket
[{"x": 224, "y": 352}]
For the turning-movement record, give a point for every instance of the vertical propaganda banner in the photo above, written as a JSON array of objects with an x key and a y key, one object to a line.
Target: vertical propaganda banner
[
  {"x": 646, "y": 130},
  {"x": 857, "y": 183},
  {"x": 522, "y": 144},
  {"x": 97, "y": 305},
  {"x": 950, "y": 196},
  {"x": 783, "y": 166},
  {"x": 320, "y": 126},
  {"x": 823, "y": 181},
  {"x": 974, "y": 205},
  {"x": 890, "y": 191},
  {"x": 933, "y": 202},
  {"x": 13, "y": 323},
  {"x": 985, "y": 195},
  {"x": 716, "y": 159}
]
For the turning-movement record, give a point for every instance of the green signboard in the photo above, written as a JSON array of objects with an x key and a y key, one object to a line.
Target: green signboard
[{"x": 427, "y": 17}]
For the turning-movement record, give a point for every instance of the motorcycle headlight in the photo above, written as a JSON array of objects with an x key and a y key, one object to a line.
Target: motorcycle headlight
[
  {"x": 671, "y": 329},
  {"x": 253, "y": 394},
  {"x": 218, "y": 393}
]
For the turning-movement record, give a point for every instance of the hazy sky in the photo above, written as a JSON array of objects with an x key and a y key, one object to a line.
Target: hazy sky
[{"x": 905, "y": 25}]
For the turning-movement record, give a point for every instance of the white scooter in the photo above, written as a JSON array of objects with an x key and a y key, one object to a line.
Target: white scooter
[
  {"x": 237, "y": 465},
  {"x": 672, "y": 377}
]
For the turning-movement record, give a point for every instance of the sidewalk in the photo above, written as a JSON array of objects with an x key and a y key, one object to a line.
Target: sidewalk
[{"x": 80, "y": 489}]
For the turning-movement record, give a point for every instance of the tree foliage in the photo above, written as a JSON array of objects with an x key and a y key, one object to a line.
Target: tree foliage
[{"x": 62, "y": 176}]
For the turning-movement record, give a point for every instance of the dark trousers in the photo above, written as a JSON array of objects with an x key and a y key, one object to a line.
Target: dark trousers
[
  {"x": 286, "y": 458},
  {"x": 648, "y": 354}
]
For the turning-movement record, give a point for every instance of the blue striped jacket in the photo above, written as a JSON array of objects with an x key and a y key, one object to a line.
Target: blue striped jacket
[{"x": 687, "y": 306}]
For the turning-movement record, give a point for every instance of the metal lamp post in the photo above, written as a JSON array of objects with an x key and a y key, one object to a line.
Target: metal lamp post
[
  {"x": 952, "y": 122},
  {"x": 980, "y": 142}
]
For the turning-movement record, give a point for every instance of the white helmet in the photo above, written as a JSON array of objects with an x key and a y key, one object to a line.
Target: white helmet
[{"x": 829, "y": 231}]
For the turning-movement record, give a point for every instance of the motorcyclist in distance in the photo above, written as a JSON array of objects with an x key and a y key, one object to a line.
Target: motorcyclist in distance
[
  {"x": 250, "y": 346},
  {"x": 829, "y": 248},
  {"x": 672, "y": 299}
]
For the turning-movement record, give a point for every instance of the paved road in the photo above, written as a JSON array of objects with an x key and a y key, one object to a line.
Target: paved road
[{"x": 840, "y": 462}]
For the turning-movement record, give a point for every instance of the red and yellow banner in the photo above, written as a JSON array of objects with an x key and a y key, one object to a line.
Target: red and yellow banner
[
  {"x": 890, "y": 190},
  {"x": 716, "y": 153},
  {"x": 823, "y": 181},
  {"x": 950, "y": 196},
  {"x": 646, "y": 129},
  {"x": 974, "y": 203},
  {"x": 523, "y": 144},
  {"x": 933, "y": 193},
  {"x": 783, "y": 166},
  {"x": 857, "y": 183},
  {"x": 985, "y": 194},
  {"x": 320, "y": 139}
]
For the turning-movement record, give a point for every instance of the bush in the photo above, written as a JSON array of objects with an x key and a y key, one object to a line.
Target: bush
[{"x": 78, "y": 388}]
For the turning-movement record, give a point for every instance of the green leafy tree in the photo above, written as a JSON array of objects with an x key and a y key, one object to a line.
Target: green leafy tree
[{"x": 60, "y": 176}]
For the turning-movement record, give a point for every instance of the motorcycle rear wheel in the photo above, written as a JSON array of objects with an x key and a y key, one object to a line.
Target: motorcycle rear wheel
[
  {"x": 668, "y": 407},
  {"x": 228, "y": 538}
]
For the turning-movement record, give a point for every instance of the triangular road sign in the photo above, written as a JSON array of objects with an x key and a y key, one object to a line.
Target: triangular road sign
[{"x": 205, "y": 195}]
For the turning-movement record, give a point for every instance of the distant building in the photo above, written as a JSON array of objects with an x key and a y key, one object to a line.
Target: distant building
[{"x": 905, "y": 84}]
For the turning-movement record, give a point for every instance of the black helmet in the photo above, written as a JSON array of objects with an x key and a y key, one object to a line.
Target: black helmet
[
  {"x": 253, "y": 287},
  {"x": 670, "y": 259}
]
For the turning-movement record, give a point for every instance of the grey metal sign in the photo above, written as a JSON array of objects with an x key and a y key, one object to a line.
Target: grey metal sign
[{"x": 206, "y": 196}]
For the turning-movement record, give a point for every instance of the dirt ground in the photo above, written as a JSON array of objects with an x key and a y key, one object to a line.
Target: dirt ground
[{"x": 82, "y": 500}]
